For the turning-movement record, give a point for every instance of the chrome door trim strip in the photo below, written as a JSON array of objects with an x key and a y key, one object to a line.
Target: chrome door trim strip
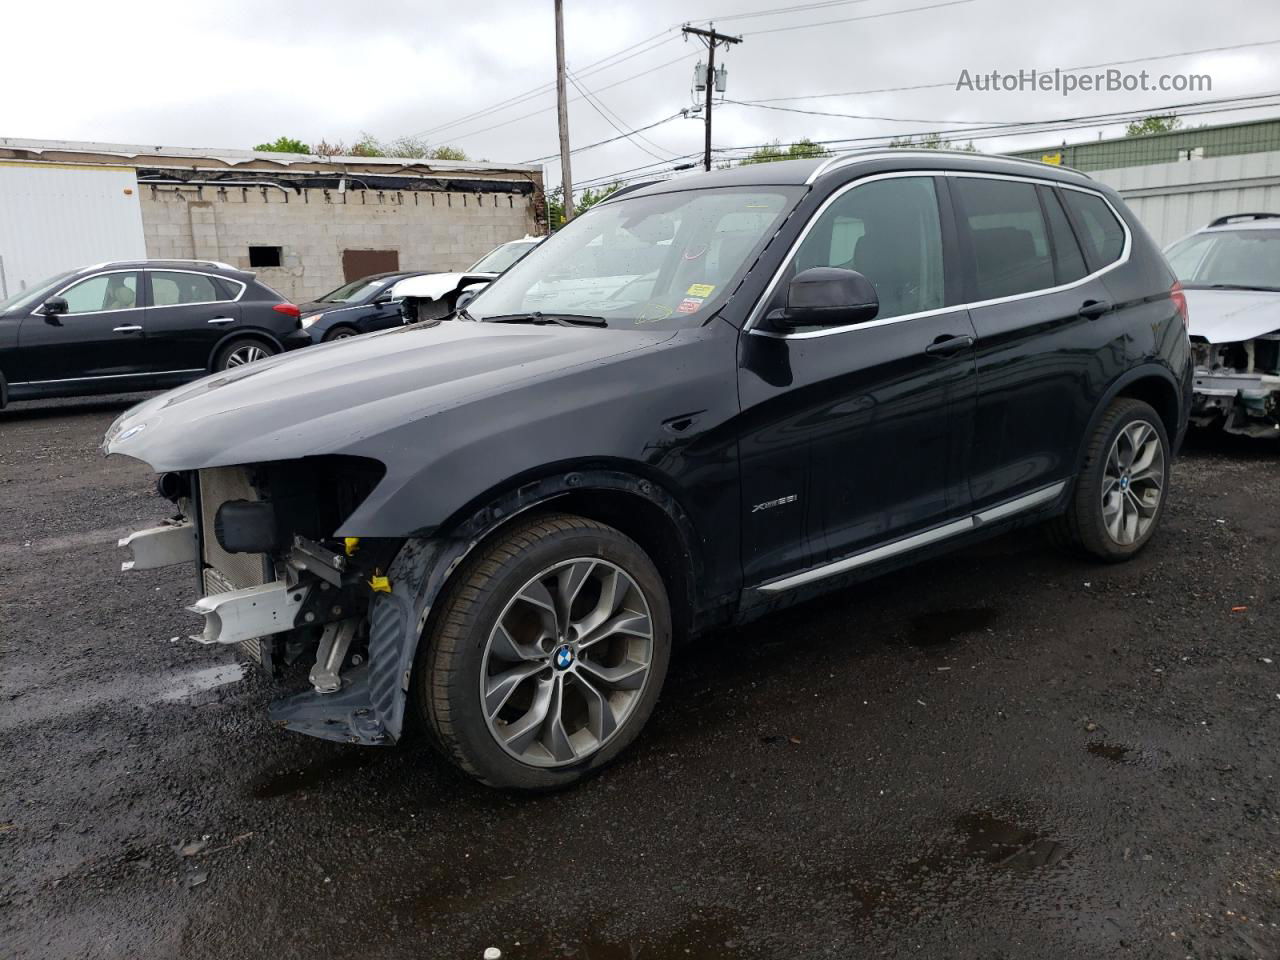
[
  {"x": 199, "y": 273},
  {"x": 896, "y": 547},
  {"x": 756, "y": 312},
  {"x": 110, "y": 376}
]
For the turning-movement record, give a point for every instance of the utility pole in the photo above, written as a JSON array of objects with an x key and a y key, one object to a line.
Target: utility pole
[
  {"x": 712, "y": 40},
  {"x": 566, "y": 177}
]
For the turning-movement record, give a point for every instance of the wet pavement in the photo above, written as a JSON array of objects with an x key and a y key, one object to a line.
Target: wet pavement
[{"x": 1002, "y": 753}]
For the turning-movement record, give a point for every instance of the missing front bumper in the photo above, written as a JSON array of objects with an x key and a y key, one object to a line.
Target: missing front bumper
[{"x": 243, "y": 615}]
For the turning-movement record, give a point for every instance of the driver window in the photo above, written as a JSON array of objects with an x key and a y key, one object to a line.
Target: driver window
[
  {"x": 887, "y": 230},
  {"x": 107, "y": 291}
]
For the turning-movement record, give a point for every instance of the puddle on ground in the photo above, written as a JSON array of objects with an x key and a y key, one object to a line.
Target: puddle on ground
[
  {"x": 937, "y": 627},
  {"x": 284, "y": 782},
  {"x": 702, "y": 938},
  {"x": 1114, "y": 752},
  {"x": 944, "y": 875},
  {"x": 186, "y": 685}
]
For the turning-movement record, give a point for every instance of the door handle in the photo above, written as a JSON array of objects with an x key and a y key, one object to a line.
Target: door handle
[
  {"x": 1093, "y": 309},
  {"x": 223, "y": 320},
  {"x": 128, "y": 328},
  {"x": 947, "y": 346}
]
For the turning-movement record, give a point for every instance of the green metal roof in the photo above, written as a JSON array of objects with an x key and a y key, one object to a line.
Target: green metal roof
[{"x": 1254, "y": 136}]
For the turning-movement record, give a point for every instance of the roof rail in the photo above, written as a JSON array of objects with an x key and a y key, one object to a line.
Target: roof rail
[
  {"x": 1233, "y": 217},
  {"x": 209, "y": 263},
  {"x": 838, "y": 160}
]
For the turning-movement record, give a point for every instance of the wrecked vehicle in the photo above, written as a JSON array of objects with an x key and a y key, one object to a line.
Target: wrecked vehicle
[
  {"x": 1230, "y": 271},
  {"x": 433, "y": 296},
  {"x": 786, "y": 377}
]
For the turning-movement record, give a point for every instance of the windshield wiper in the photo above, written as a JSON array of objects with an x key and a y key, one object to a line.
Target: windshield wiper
[{"x": 537, "y": 316}]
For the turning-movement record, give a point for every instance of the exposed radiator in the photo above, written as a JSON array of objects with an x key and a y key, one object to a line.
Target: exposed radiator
[{"x": 222, "y": 571}]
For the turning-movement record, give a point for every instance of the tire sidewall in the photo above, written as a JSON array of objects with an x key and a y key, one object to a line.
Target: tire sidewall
[
  {"x": 491, "y": 762},
  {"x": 220, "y": 361}
]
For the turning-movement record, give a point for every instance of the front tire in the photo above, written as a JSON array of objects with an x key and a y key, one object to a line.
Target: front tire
[
  {"x": 339, "y": 333},
  {"x": 547, "y": 654},
  {"x": 1120, "y": 494}
]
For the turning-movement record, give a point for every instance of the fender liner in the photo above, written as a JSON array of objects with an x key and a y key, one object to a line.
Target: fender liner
[{"x": 370, "y": 708}]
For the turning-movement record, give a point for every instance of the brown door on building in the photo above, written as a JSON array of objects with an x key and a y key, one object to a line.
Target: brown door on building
[{"x": 362, "y": 263}]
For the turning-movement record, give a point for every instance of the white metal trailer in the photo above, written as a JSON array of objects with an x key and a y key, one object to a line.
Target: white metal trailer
[{"x": 57, "y": 216}]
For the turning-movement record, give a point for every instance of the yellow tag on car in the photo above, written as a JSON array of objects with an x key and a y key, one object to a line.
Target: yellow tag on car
[
  {"x": 380, "y": 584},
  {"x": 701, "y": 289}
]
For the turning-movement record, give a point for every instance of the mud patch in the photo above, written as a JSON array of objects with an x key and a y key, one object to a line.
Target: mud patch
[
  {"x": 285, "y": 782},
  {"x": 939, "y": 627}
]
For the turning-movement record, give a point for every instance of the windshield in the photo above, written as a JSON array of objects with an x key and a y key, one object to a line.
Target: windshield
[
  {"x": 1228, "y": 258},
  {"x": 667, "y": 259},
  {"x": 354, "y": 291},
  {"x": 27, "y": 299},
  {"x": 499, "y": 258}
]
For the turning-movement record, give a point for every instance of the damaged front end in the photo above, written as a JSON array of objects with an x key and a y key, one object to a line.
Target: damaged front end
[
  {"x": 273, "y": 579},
  {"x": 1237, "y": 385}
]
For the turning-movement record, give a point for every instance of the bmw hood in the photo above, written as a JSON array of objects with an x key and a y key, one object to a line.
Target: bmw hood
[
  {"x": 332, "y": 398},
  {"x": 1231, "y": 316}
]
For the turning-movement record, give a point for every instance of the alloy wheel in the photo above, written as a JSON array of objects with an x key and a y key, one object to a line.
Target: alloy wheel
[
  {"x": 246, "y": 354},
  {"x": 567, "y": 662},
  {"x": 1133, "y": 483}
]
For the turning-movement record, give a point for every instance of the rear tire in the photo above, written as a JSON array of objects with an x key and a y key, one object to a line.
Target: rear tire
[
  {"x": 244, "y": 350},
  {"x": 547, "y": 654},
  {"x": 1120, "y": 493}
]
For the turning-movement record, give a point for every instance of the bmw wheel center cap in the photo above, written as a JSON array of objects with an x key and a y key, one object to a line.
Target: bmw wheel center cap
[{"x": 563, "y": 657}]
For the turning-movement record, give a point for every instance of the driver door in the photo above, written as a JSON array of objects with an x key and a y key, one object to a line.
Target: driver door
[{"x": 100, "y": 335}]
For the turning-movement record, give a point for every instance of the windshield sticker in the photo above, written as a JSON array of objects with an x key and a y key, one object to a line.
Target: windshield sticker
[
  {"x": 653, "y": 312},
  {"x": 689, "y": 305},
  {"x": 701, "y": 289},
  {"x": 692, "y": 254}
]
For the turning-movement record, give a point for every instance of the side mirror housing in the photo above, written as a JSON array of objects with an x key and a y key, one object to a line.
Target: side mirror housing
[
  {"x": 829, "y": 297},
  {"x": 55, "y": 306}
]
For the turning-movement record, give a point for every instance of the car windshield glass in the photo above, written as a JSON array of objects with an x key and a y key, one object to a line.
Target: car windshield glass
[
  {"x": 352, "y": 292},
  {"x": 30, "y": 297},
  {"x": 498, "y": 259},
  {"x": 669, "y": 259},
  {"x": 1228, "y": 258}
]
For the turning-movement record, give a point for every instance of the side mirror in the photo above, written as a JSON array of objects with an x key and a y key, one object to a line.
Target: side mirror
[
  {"x": 55, "y": 306},
  {"x": 829, "y": 297}
]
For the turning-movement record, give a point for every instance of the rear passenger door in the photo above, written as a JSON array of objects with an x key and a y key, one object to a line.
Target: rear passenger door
[
  {"x": 190, "y": 313},
  {"x": 1046, "y": 343}
]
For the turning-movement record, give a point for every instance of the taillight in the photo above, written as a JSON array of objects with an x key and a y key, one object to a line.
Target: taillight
[
  {"x": 288, "y": 309},
  {"x": 1179, "y": 301}
]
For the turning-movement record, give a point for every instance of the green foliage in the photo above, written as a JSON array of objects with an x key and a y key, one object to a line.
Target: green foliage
[
  {"x": 1156, "y": 123},
  {"x": 283, "y": 145},
  {"x": 932, "y": 141},
  {"x": 583, "y": 201},
  {"x": 409, "y": 147},
  {"x": 804, "y": 147}
]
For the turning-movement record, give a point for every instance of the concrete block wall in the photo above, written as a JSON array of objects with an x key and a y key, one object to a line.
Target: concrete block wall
[{"x": 430, "y": 230}]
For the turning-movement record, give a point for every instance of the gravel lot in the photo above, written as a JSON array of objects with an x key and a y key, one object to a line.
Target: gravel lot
[{"x": 1003, "y": 753}]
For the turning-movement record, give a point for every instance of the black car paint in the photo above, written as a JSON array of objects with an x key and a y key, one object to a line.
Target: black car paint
[
  {"x": 99, "y": 352},
  {"x": 372, "y": 312},
  {"x": 777, "y": 453}
]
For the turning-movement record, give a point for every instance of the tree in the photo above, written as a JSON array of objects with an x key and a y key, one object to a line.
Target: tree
[
  {"x": 283, "y": 145},
  {"x": 583, "y": 201},
  {"x": 1156, "y": 123},
  {"x": 409, "y": 147},
  {"x": 804, "y": 147},
  {"x": 930, "y": 141}
]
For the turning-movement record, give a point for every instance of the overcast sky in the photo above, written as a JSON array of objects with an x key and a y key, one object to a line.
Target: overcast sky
[{"x": 237, "y": 72}]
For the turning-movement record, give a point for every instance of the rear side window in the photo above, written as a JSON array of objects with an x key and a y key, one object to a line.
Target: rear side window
[
  {"x": 1007, "y": 234},
  {"x": 1101, "y": 233},
  {"x": 176, "y": 288},
  {"x": 889, "y": 231},
  {"x": 1068, "y": 261}
]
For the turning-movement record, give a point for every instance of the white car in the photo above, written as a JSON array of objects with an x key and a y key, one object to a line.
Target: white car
[
  {"x": 1230, "y": 272},
  {"x": 430, "y": 296}
]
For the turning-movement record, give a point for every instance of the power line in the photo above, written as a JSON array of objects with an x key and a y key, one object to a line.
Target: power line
[
  {"x": 620, "y": 125},
  {"x": 1087, "y": 66},
  {"x": 795, "y": 8},
  {"x": 869, "y": 16},
  {"x": 625, "y": 135}
]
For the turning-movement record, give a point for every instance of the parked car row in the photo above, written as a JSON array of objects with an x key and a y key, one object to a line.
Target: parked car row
[{"x": 153, "y": 324}]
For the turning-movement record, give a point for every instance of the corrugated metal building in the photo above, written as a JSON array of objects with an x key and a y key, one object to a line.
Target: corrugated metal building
[
  {"x": 1178, "y": 182},
  {"x": 304, "y": 224}
]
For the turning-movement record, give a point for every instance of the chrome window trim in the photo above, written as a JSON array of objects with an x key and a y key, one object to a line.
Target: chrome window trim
[
  {"x": 894, "y": 548},
  {"x": 91, "y": 313},
  {"x": 758, "y": 309},
  {"x": 199, "y": 273}
]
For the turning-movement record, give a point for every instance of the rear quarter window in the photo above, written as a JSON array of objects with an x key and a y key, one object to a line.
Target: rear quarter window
[{"x": 1100, "y": 232}]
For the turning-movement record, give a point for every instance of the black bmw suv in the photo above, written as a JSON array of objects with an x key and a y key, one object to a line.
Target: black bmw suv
[
  {"x": 138, "y": 325},
  {"x": 702, "y": 400}
]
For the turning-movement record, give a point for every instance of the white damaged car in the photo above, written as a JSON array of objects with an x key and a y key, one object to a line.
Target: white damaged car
[
  {"x": 431, "y": 296},
  {"x": 1230, "y": 274}
]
